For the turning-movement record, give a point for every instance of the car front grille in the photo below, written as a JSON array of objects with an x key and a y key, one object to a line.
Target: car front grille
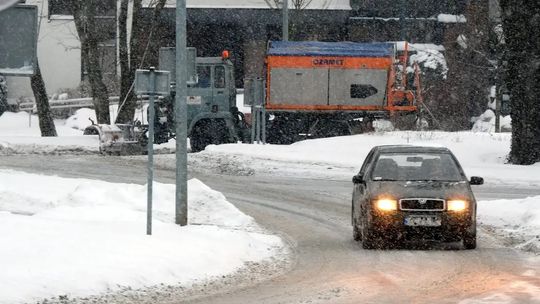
[{"x": 421, "y": 204}]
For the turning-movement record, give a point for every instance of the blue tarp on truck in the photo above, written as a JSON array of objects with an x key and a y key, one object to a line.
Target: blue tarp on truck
[{"x": 338, "y": 49}]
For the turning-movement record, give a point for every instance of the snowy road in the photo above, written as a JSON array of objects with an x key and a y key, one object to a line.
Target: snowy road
[{"x": 329, "y": 266}]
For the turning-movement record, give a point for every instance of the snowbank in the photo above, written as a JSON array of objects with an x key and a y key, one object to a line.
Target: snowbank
[
  {"x": 19, "y": 133},
  {"x": 518, "y": 221},
  {"x": 481, "y": 154},
  {"x": 486, "y": 122},
  {"x": 80, "y": 237},
  {"x": 448, "y": 18}
]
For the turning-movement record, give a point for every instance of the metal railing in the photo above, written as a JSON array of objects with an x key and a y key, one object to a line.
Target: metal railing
[{"x": 75, "y": 103}]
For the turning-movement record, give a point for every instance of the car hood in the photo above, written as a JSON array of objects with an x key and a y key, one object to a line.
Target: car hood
[{"x": 421, "y": 189}]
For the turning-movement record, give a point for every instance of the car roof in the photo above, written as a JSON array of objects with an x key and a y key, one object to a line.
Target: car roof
[{"x": 410, "y": 149}]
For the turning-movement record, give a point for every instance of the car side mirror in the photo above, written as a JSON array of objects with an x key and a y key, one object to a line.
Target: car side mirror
[
  {"x": 358, "y": 179},
  {"x": 476, "y": 180}
]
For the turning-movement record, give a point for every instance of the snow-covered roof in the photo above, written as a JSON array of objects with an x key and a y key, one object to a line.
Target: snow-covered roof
[
  {"x": 400, "y": 45},
  {"x": 260, "y": 4},
  {"x": 443, "y": 18},
  {"x": 341, "y": 49}
]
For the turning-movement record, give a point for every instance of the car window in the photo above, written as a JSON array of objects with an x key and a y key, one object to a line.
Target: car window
[
  {"x": 416, "y": 167},
  {"x": 366, "y": 163}
]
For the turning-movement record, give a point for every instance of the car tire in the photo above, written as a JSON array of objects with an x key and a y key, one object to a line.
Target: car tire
[
  {"x": 469, "y": 241},
  {"x": 369, "y": 241},
  {"x": 357, "y": 235}
]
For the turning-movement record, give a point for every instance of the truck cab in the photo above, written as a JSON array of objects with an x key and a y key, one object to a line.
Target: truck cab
[{"x": 212, "y": 114}]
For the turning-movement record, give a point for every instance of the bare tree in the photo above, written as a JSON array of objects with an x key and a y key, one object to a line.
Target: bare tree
[
  {"x": 46, "y": 123},
  {"x": 84, "y": 13},
  {"x": 129, "y": 63}
]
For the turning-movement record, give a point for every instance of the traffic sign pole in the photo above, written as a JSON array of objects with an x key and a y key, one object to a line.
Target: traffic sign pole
[
  {"x": 180, "y": 110},
  {"x": 150, "y": 146},
  {"x": 153, "y": 83}
]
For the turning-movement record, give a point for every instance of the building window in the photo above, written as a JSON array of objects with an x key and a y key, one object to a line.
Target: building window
[{"x": 61, "y": 8}]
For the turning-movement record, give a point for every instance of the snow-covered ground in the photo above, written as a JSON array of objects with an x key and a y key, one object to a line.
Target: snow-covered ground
[
  {"x": 19, "y": 133},
  {"x": 516, "y": 221},
  {"x": 88, "y": 237}
]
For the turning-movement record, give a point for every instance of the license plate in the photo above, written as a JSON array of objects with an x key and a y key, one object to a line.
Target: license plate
[{"x": 423, "y": 220}]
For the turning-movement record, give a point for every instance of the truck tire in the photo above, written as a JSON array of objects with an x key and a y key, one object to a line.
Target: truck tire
[
  {"x": 199, "y": 138},
  {"x": 209, "y": 132}
]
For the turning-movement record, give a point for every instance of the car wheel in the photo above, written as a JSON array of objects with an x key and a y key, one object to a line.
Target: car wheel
[
  {"x": 469, "y": 241},
  {"x": 368, "y": 238}
]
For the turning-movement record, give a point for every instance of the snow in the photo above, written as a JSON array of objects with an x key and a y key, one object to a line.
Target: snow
[
  {"x": 430, "y": 59},
  {"x": 88, "y": 237},
  {"x": 400, "y": 45},
  {"x": 258, "y": 4},
  {"x": 448, "y": 18},
  {"x": 19, "y": 133},
  {"x": 516, "y": 220},
  {"x": 480, "y": 153},
  {"x": 462, "y": 41},
  {"x": 26, "y": 70},
  {"x": 486, "y": 122}
]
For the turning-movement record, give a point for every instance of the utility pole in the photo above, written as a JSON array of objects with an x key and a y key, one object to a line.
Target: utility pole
[
  {"x": 402, "y": 20},
  {"x": 285, "y": 36},
  {"x": 180, "y": 110}
]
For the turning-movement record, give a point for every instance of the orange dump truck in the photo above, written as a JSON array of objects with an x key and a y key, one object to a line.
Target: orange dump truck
[{"x": 320, "y": 89}]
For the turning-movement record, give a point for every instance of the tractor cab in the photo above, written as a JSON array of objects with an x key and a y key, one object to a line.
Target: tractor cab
[{"x": 215, "y": 90}]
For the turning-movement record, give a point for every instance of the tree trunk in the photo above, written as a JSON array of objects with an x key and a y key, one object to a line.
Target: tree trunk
[
  {"x": 125, "y": 83},
  {"x": 520, "y": 24},
  {"x": 127, "y": 96},
  {"x": 46, "y": 123},
  {"x": 84, "y": 12}
]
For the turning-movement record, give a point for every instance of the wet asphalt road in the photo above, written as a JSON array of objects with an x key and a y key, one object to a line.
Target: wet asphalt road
[{"x": 329, "y": 267}]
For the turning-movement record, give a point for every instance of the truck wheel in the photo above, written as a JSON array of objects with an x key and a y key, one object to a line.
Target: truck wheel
[
  {"x": 199, "y": 139},
  {"x": 469, "y": 241}
]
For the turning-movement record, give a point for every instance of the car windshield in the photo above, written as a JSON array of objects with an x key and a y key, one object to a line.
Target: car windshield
[{"x": 416, "y": 167}]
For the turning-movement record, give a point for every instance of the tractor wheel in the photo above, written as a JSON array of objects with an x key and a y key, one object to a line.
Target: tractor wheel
[{"x": 199, "y": 138}]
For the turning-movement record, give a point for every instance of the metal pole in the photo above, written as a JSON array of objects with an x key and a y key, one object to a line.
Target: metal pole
[
  {"x": 263, "y": 113},
  {"x": 180, "y": 109},
  {"x": 258, "y": 124},
  {"x": 402, "y": 20},
  {"x": 497, "y": 114},
  {"x": 253, "y": 122},
  {"x": 150, "y": 147},
  {"x": 285, "y": 20}
]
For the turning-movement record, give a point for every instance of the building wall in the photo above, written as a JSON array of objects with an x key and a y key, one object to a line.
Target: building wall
[{"x": 58, "y": 54}]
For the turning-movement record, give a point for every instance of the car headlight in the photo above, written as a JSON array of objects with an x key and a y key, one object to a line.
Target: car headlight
[
  {"x": 457, "y": 205},
  {"x": 386, "y": 204}
]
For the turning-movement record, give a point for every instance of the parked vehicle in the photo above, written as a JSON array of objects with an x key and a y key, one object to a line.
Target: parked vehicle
[
  {"x": 413, "y": 193},
  {"x": 322, "y": 89}
]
